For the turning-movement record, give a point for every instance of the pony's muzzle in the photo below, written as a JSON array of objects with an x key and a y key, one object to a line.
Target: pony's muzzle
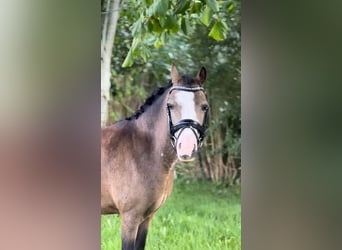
[{"x": 186, "y": 145}]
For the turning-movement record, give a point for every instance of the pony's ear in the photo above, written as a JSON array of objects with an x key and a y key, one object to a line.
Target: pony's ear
[
  {"x": 202, "y": 75},
  {"x": 174, "y": 75}
]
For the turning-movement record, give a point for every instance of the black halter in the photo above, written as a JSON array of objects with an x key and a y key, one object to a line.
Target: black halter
[{"x": 197, "y": 128}]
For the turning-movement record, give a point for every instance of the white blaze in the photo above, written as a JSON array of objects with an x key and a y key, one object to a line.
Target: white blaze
[
  {"x": 187, "y": 140},
  {"x": 187, "y": 103}
]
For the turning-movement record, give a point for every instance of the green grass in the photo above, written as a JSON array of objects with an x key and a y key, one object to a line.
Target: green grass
[{"x": 197, "y": 215}]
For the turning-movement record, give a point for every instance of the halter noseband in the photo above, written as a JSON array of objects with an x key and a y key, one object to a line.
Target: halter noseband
[{"x": 186, "y": 123}]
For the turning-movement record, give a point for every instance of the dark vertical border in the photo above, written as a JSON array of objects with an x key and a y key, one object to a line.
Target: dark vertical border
[
  {"x": 50, "y": 125},
  {"x": 291, "y": 125}
]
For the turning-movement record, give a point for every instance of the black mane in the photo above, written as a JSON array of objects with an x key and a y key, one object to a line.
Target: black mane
[
  {"x": 186, "y": 81},
  {"x": 150, "y": 100}
]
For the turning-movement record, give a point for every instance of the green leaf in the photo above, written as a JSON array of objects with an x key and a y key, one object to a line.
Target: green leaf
[
  {"x": 145, "y": 53},
  {"x": 135, "y": 44},
  {"x": 149, "y": 25},
  {"x": 184, "y": 26},
  {"x": 169, "y": 22},
  {"x": 163, "y": 37},
  {"x": 196, "y": 7},
  {"x": 219, "y": 31},
  {"x": 182, "y": 6},
  {"x": 230, "y": 6},
  {"x": 156, "y": 27},
  {"x": 175, "y": 28},
  {"x": 158, "y": 43},
  {"x": 212, "y": 4},
  {"x": 206, "y": 16},
  {"x": 128, "y": 60},
  {"x": 137, "y": 27},
  {"x": 160, "y": 7},
  {"x": 147, "y": 2},
  {"x": 162, "y": 20}
]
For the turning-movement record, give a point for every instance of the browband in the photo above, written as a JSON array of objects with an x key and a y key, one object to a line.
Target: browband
[{"x": 186, "y": 89}]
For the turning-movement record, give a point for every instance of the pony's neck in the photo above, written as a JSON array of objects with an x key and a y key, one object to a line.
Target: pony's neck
[{"x": 154, "y": 122}]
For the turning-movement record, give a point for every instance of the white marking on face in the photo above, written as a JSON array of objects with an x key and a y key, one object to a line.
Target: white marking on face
[{"x": 187, "y": 103}]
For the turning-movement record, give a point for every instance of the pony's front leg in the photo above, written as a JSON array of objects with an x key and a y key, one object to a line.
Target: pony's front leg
[
  {"x": 142, "y": 234},
  {"x": 129, "y": 229}
]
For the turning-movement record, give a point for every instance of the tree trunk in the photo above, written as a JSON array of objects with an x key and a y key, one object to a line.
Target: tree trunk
[{"x": 107, "y": 41}]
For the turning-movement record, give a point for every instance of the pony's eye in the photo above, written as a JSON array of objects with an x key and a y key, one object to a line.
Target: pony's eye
[
  {"x": 204, "y": 107},
  {"x": 170, "y": 106}
]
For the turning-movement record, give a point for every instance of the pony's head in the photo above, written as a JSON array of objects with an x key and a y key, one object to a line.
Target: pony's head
[{"x": 187, "y": 109}]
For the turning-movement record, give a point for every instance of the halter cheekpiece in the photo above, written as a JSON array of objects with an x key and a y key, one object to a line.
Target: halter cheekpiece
[{"x": 197, "y": 128}]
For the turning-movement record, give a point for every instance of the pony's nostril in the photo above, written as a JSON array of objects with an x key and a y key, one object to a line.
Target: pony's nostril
[{"x": 185, "y": 157}]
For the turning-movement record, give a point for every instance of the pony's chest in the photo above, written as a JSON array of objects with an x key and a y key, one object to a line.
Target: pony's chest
[{"x": 163, "y": 192}]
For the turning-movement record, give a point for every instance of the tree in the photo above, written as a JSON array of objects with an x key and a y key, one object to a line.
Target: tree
[
  {"x": 112, "y": 13},
  {"x": 159, "y": 20}
]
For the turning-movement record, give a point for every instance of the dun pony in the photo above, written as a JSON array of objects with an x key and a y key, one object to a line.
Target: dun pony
[{"x": 138, "y": 154}]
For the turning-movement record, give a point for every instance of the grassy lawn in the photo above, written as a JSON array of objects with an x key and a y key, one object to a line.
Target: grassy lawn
[{"x": 197, "y": 215}]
